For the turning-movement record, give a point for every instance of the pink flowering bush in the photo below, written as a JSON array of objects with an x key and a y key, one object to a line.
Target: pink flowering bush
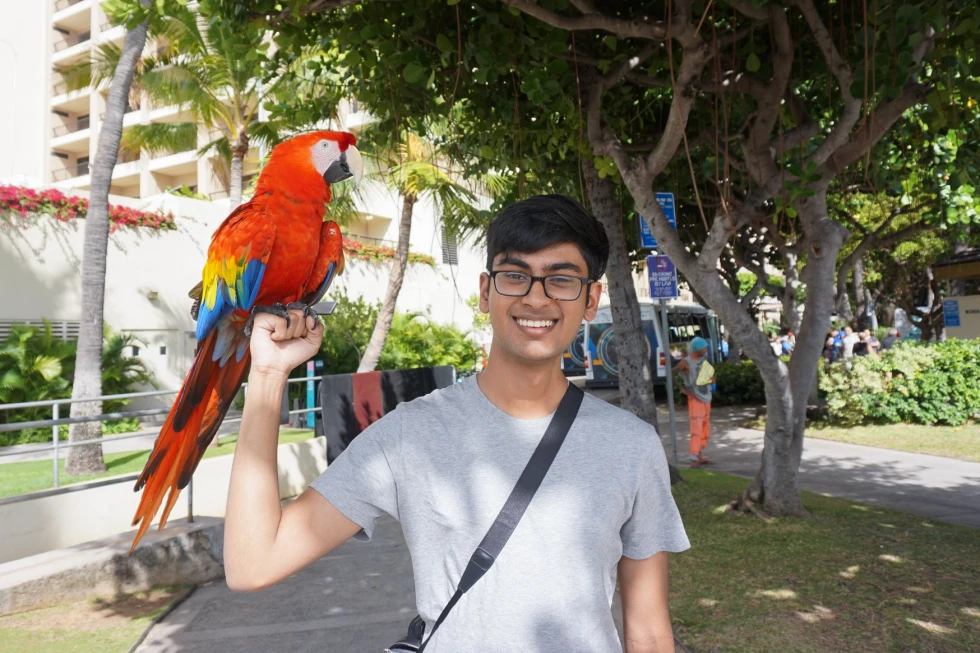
[
  {"x": 28, "y": 202},
  {"x": 357, "y": 250}
]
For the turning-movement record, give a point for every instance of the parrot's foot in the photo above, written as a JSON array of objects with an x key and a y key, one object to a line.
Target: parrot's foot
[
  {"x": 306, "y": 308},
  {"x": 276, "y": 309}
]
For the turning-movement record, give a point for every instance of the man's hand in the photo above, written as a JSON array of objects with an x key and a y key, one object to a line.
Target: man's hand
[{"x": 276, "y": 348}]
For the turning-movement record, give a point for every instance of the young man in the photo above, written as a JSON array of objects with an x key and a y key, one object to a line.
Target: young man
[
  {"x": 698, "y": 399},
  {"x": 445, "y": 464}
]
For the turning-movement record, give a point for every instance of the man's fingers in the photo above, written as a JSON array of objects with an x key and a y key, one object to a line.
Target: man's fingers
[
  {"x": 297, "y": 324},
  {"x": 280, "y": 330}
]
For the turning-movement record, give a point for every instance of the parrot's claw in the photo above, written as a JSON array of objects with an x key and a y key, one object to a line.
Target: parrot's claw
[
  {"x": 276, "y": 309},
  {"x": 306, "y": 308}
]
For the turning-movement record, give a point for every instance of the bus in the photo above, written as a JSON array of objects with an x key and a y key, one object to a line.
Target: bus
[{"x": 686, "y": 321}]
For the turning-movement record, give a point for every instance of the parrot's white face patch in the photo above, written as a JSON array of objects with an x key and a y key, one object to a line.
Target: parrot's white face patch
[{"x": 325, "y": 152}]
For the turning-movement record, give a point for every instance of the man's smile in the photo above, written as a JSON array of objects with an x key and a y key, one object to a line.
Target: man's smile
[{"x": 535, "y": 327}]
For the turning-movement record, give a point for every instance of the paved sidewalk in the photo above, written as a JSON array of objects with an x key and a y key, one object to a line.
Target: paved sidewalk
[
  {"x": 946, "y": 489},
  {"x": 360, "y": 597}
]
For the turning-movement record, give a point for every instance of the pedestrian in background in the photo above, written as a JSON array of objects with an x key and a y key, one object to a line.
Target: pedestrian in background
[
  {"x": 848, "y": 341},
  {"x": 698, "y": 399},
  {"x": 889, "y": 341}
]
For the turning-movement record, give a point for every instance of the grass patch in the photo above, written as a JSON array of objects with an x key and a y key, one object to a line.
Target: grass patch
[
  {"x": 93, "y": 626},
  {"x": 33, "y": 476},
  {"x": 851, "y": 578},
  {"x": 961, "y": 442}
]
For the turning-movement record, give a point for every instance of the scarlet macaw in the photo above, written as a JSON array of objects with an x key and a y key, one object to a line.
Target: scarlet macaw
[{"x": 271, "y": 254}]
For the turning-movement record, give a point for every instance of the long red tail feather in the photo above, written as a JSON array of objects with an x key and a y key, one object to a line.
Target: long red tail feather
[{"x": 203, "y": 400}]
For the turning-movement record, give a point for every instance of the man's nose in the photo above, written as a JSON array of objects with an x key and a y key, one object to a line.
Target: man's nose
[{"x": 536, "y": 295}]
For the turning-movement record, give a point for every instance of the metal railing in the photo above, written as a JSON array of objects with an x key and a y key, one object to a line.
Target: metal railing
[
  {"x": 64, "y": 4},
  {"x": 70, "y": 172},
  {"x": 72, "y": 126},
  {"x": 72, "y": 39},
  {"x": 368, "y": 240},
  {"x": 57, "y": 421}
]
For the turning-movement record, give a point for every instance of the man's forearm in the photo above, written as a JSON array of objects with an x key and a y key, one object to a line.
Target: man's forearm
[{"x": 254, "y": 510}]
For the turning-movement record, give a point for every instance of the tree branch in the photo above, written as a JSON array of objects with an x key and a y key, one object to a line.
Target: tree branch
[{"x": 638, "y": 29}]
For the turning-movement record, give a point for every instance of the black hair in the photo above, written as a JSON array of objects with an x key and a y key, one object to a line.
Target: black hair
[{"x": 544, "y": 221}]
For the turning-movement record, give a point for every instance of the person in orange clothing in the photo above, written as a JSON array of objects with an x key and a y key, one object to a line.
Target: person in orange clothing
[{"x": 698, "y": 399}]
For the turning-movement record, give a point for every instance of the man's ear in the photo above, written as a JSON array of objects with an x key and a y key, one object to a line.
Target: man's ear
[
  {"x": 485, "y": 293},
  {"x": 592, "y": 300}
]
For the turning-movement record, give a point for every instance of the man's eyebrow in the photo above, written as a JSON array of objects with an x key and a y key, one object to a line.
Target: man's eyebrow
[
  {"x": 511, "y": 260},
  {"x": 563, "y": 265},
  {"x": 551, "y": 267}
]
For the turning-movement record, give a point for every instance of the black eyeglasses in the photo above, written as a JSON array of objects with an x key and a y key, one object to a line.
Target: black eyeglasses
[{"x": 561, "y": 287}]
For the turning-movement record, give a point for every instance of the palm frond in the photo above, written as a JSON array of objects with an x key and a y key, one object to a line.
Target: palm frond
[{"x": 169, "y": 137}]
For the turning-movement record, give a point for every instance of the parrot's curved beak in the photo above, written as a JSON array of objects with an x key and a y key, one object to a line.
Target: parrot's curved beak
[{"x": 348, "y": 165}]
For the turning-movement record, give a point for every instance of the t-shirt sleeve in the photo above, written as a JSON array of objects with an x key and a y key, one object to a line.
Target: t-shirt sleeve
[
  {"x": 655, "y": 524},
  {"x": 360, "y": 482}
]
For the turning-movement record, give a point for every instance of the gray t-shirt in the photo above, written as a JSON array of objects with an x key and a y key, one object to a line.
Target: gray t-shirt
[{"x": 444, "y": 465}]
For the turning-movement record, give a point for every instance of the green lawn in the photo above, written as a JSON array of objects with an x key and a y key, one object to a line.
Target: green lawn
[
  {"x": 850, "y": 578},
  {"x": 21, "y": 478},
  {"x": 93, "y": 626},
  {"x": 961, "y": 442}
]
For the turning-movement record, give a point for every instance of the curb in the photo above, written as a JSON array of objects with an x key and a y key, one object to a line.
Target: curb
[{"x": 182, "y": 554}]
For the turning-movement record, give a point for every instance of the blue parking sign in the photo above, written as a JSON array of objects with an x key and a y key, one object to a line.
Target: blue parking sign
[
  {"x": 951, "y": 311},
  {"x": 666, "y": 201},
  {"x": 663, "y": 277}
]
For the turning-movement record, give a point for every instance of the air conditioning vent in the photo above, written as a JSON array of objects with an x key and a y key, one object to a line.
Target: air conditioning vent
[{"x": 64, "y": 329}]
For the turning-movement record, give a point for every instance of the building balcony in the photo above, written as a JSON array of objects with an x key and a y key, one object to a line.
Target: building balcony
[
  {"x": 71, "y": 40},
  {"x": 71, "y": 126},
  {"x": 174, "y": 163},
  {"x": 72, "y": 15},
  {"x": 127, "y": 169},
  {"x": 70, "y": 172},
  {"x": 71, "y": 48},
  {"x": 61, "y": 5},
  {"x": 76, "y": 142}
]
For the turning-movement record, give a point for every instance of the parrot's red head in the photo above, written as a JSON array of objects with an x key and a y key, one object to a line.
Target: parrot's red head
[{"x": 306, "y": 165}]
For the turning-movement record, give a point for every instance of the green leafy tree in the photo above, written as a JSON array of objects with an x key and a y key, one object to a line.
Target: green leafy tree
[
  {"x": 776, "y": 104},
  {"x": 415, "y": 169}
]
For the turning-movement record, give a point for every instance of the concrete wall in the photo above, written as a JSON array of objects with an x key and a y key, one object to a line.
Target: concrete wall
[
  {"x": 968, "y": 309},
  {"x": 68, "y": 518}
]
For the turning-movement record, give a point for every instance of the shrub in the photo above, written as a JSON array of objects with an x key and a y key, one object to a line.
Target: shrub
[
  {"x": 35, "y": 365},
  {"x": 414, "y": 341},
  {"x": 27, "y": 202},
  {"x": 738, "y": 383},
  {"x": 933, "y": 383}
]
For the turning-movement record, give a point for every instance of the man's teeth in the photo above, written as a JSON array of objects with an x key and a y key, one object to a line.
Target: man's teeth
[{"x": 536, "y": 323}]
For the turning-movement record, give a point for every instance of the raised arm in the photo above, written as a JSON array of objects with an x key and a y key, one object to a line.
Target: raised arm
[{"x": 263, "y": 543}]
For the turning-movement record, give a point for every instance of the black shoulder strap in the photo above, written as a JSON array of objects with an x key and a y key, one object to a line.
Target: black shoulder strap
[{"x": 502, "y": 528}]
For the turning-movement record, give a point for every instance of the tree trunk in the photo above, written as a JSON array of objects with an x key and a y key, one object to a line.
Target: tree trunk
[
  {"x": 238, "y": 151},
  {"x": 372, "y": 353},
  {"x": 635, "y": 378},
  {"x": 860, "y": 322},
  {"x": 787, "y": 387},
  {"x": 734, "y": 350},
  {"x": 88, "y": 362}
]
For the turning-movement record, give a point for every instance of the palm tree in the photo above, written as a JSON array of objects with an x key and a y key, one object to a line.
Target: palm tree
[
  {"x": 214, "y": 73},
  {"x": 417, "y": 169},
  {"x": 88, "y": 364}
]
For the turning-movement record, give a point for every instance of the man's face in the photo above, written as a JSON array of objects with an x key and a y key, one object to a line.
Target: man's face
[
  {"x": 698, "y": 355},
  {"x": 848, "y": 330},
  {"x": 534, "y": 327}
]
